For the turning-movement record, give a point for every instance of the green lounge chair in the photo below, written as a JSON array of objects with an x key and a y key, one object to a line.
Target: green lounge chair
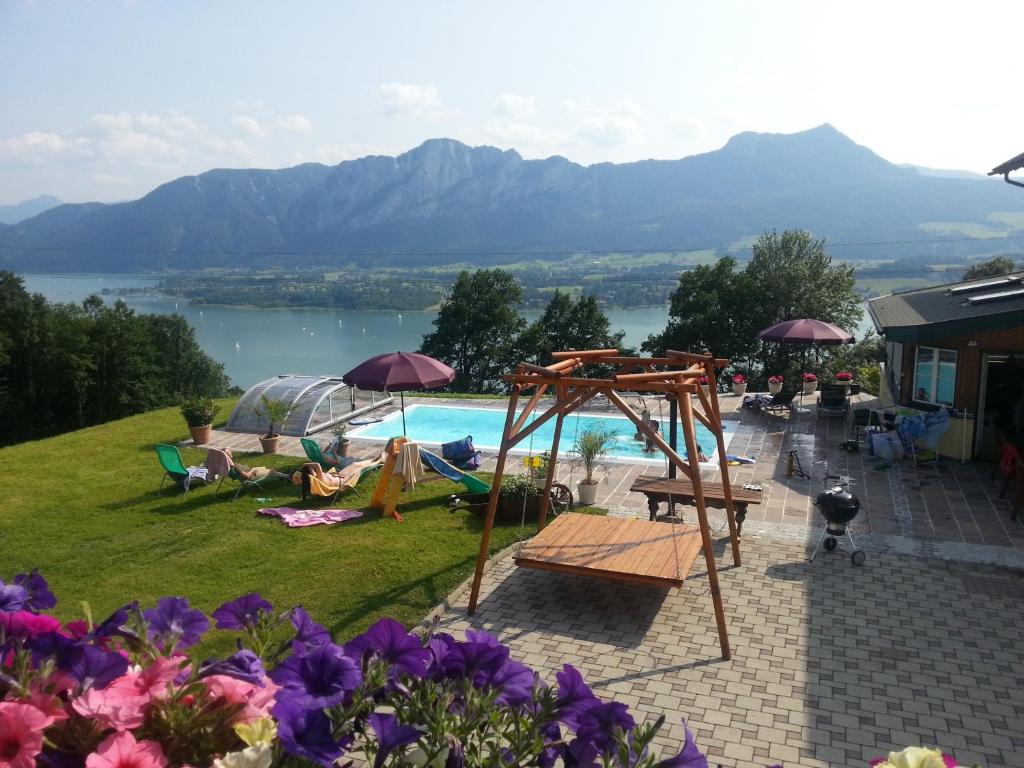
[
  {"x": 174, "y": 468},
  {"x": 218, "y": 459},
  {"x": 314, "y": 453}
]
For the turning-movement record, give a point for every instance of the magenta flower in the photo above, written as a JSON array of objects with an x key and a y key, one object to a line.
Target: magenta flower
[
  {"x": 242, "y": 612},
  {"x": 390, "y": 736},
  {"x": 174, "y": 624},
  {"x": 40, "y": 598},
  {"x": 307, "y": 733},
  {"x": 388, "y": 640},
  {"x": 307, "y": 632},
  {"x": 321, "y": 677}
]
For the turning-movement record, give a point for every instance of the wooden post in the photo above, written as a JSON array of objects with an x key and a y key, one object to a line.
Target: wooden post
[
  {"x": 673, "y": 433},
  {"x": 689, "y": 434},
  {"x": 492, "y": 502},
  {"x": 715, "y": 415},
  {"x": 545, "y": 500}
]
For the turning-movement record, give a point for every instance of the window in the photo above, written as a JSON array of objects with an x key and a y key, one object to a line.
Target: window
[{"x": 935, "y": 376}]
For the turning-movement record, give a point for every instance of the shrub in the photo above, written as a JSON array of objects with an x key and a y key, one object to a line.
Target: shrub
[
  {"x": 517, "y": 487},
  {"x": 199, "y": 411}
]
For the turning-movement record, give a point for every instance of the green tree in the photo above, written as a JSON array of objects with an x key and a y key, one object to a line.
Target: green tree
[
  {"x": 476, "y": 330},
  {"x": 1000, "y": 265},
  {"x": 566, "y": 324}
]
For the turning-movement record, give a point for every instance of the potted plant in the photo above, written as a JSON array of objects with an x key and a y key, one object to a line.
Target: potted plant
[
  {"x": 275, "y": 412},
  {"x": 518, "y": 497},
  {"x": 199, "y": 413},
  {"x": 538, "y": 468},
  {"x": 705, "y": 386},
  {"x": 739, "y": 384},
  {"x": 844, "y": 378},
  {"x": 340, "y": 442},
  {"x": 775, "y": 383},
  {"x": 591, "y": 446},
  {"x": 810, "y": 383}
]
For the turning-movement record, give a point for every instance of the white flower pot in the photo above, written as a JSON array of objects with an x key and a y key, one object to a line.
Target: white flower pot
[
  {"x": 810, "y": 387},
  {"x": 774, "y": 387},
  {"x": 587, "y": 492},
  {"x": 739, "y": 389}
]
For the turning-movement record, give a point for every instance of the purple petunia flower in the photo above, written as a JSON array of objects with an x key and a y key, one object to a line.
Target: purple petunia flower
[
  {"x": 515, "y": 681},
  {"x": 243, "y": 665},
  {"x": 52, "y": 758},
  {"x": 477, "y": 659},
  {"x": 174, "y": 624},
  {"x": 388, "y": 640},
  {"x": 456, "y": 754},
  {"x": 115, "y": 623},
  {"x": 689, "y": 757},
  {"x": 599, "y": 724},
  {"x": 242, "y": 612},
  {"x": 574, "y": 696},
  {"x": 581, "y": 754},
  {"x": 390, "y": 736},
  {"x": 48, "y": 645},
  {"x": 307, "y": 632},
  {"x": 321, "y": 677},
  {"x": 92, "y": 666},
  {"x": 13, "y": 597},
  {"x": 307, "y": 733},
  {"x": 550, "y": 754},
  {"x": 40, "y": 598}
]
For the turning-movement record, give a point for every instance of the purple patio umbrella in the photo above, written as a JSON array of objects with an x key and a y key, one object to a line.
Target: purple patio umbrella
[
  {"x": 400, "y": 371},
  {"x": 806, "y": 332}
]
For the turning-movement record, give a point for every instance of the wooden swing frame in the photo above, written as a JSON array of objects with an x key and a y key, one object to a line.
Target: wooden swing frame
[{"x": 675, "y": 377}]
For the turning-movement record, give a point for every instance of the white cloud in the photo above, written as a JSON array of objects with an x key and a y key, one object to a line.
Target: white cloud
[
  {"x": 515, "y": 106},
  {"x": 106, "y": 180},
  {"x": 607, "y": 126},
  {"x": 35, "y": 140},
  {"x": 332, "y": 154},
  {"x": 296, "y": 123},
  {"x": 250, "y": 125},
  {"x": 412, "y": 100}
]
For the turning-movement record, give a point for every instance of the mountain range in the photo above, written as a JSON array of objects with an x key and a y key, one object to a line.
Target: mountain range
[
  {"x": 13, "y": 214},
  {"x": 445, "y": 202}
]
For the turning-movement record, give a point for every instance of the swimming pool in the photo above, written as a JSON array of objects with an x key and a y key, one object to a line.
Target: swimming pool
[{"x": 436, "y": 424}]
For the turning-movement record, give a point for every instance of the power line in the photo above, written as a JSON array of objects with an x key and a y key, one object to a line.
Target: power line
[{"x": 477, "y": 254}]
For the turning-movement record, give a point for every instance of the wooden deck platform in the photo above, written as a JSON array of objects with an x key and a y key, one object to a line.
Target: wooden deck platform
[{"x": 614, "y": 548}]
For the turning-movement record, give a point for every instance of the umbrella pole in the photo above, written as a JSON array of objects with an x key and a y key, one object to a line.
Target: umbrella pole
[{"x": 402, "y": 395}]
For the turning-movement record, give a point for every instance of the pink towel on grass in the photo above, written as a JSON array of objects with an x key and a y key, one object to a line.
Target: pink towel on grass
[{"x": 300, "y": 518}]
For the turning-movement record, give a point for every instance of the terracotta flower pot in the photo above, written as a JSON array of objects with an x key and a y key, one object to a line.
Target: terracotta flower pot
[
  {"x": 201, "y": 435},
  {"x": 587, "y": 492},
  {"x": 774, "y": 387},
  {"x": 739, "y": 389},
  {"x": 269, "y": 443},
  {"x": 810, "y": 387},
  {"x": 343, "y": 448}
]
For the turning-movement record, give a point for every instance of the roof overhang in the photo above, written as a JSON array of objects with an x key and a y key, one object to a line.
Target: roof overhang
[
  {"x": 1005, "y": 169},
  {"x": 949, "y": 328}
]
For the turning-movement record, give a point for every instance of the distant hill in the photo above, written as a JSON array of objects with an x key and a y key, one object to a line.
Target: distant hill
[
  {"x": 443, "y": 200},
  {"x": 12, "y": 214}
]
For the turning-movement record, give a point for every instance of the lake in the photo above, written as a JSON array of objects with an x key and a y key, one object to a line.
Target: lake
[{"x": 255, "y": 344}]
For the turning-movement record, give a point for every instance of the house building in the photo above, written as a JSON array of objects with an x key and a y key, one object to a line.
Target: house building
[{"x": 958, "y": 346}]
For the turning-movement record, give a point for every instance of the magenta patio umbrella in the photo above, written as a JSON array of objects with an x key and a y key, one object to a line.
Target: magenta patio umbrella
[
  {"x": 400, "y": 371},
  {"x": 805, "y": 332}
]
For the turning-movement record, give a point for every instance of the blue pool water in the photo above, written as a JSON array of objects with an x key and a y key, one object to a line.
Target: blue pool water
[{"x": 436, "y": 424}]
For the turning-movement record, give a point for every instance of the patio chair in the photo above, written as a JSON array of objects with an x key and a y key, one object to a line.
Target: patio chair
[
  {"x": 330, "y": 484},
  {"x": 314, "y": 452},
  {"x": 780, "y": 402},
  {"x": 222, "y": 466},
  {"x": 175, "y": 469},
  {"x": 832, "y": 400}
]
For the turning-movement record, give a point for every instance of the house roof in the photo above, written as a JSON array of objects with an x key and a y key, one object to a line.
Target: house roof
[
  {"x": 1010, "y": 165},
  {"x": 989, "y": 303}
]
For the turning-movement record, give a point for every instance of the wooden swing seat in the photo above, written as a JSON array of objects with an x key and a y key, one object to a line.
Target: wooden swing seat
[{"x": 614, "y": 548}]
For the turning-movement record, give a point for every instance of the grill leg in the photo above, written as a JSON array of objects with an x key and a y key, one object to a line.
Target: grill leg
[{"x": 820, "y": 539}]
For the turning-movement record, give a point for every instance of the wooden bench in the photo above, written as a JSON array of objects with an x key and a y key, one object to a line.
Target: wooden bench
[{"x": 680, "y": 490}]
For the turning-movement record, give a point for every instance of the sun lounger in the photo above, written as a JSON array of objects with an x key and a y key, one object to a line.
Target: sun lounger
[
  {"x": 221, "y": 466},
  {"x": 314, "y": 480},
  {"x": 314, "y": 452},
  {"x": 175, "y": 470}
]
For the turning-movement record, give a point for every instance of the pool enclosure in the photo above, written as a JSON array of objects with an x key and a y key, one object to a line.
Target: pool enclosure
[{"x": 318, "y": 402}]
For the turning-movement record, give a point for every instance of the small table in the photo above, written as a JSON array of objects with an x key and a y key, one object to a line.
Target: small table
[{"x": 680, "y": 490}]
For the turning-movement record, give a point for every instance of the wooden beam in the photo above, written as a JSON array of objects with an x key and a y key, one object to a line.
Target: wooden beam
[
  {"x": 716, "y": 362},
  {"x": 645, "y": 429},
  {"x": 584, "y": 354},
  {"x": 666, "y": 376},
  {"x": 492, "y": 504},
  {"x": 563, "y": 364},
  {"x": 713, "y": 411},
  {"x": 530, "y": 405},
  {"x": 531, "y": 368},
  {"x": 689, "y": 434},
  {"x": 538, "y": 422},
  {"x": 545, "y": 499}
]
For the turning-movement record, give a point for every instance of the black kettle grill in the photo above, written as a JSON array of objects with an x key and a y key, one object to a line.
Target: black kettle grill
[{"x": 838, "y": 506}]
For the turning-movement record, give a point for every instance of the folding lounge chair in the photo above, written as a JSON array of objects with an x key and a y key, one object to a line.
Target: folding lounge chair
[
  {"x": 311, "y": 484},
  {"x": 314, "y": 452},
  {"x": 832, "y": 400},
  {"x": 781, "y": 401},
  {"x": 174, "y": 469},
  {"x": 217, "y": 460}
]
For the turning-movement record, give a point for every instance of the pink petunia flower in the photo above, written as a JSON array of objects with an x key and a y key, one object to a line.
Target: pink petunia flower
[
  {"x": 48, "y": 704},
  {"x": 121, "y": 750},
  {"x": 258, "y": 701},
  {"x": 21, "y": 734},
  {"x": 153, "y": 681},
  {"x": 120, "y": 705}
]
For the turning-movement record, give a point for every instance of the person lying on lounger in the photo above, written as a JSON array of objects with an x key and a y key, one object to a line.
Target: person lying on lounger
[{"x": 254, "y": 473}]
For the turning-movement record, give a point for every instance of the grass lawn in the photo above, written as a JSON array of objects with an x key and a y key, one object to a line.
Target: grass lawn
[{"x": 84, "y": 509}]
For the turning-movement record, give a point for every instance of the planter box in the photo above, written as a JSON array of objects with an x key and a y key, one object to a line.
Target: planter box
[
  {"x": 774, "y": 388},
  {"x": 739, "y": 389}
]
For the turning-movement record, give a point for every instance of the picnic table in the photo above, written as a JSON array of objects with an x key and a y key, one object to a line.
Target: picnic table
[{"x": 680, "y": 490}]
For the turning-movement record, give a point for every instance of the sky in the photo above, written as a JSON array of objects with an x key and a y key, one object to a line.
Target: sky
[{"x": 106, "y": 100}]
